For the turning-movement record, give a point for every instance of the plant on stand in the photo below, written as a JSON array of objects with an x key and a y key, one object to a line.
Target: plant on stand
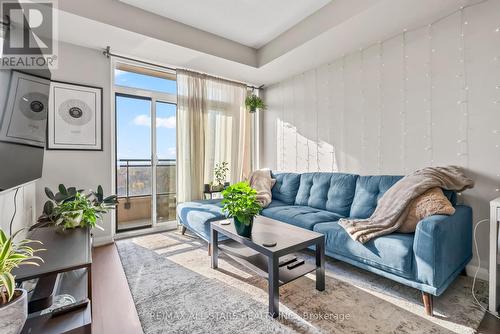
[
  {"x": 253, "y": 102},
  {"x": 240, "y": 203},
  {"x": 220, "y": 174},
  {"x": 13, "y": 302},
  {"x": 71, "y": 208}
]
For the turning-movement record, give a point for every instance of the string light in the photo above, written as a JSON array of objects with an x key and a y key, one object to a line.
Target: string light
[
  {"x": 428, "y": 106},
  {"x": 381, "y": 106},
  {"x": 363, "y": 103},
  {"x": 283, "y": 127},
  {"x": 463, "y": 144},
  {"x": 429, "y": 100},
  {"x": 315, "y": 101},
  {"x": 342, "y": 111},
  {"x": 405, "y": 102},
  {"x": 497, "y": 86},
  {"x": 294, "y": 101},
  {"x": 331, "y": 112}
]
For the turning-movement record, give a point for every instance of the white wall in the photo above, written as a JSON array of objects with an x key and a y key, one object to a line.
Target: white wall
[
  {"x": 375, "y": 111},
  {"x": 83, "y": 169},
  {"x": 25, "y": 208}
]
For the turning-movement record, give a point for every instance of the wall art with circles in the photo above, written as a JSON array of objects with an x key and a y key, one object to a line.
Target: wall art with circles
[
  {"x": 25, "y": 116},
  {"x": 75, "y": 117}
]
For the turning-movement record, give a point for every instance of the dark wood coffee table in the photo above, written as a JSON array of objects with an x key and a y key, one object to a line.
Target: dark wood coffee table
[{"x": 265, "y": 260}]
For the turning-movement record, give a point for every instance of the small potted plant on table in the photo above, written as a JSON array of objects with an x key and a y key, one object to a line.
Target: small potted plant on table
[
  {"x": 240, "y": 203},
  {"x": 71, "y": 208},
  {"x": 220, "y": 173},
  {"x": 14, "y": 302},
  {"x": 220, "y": 176}
]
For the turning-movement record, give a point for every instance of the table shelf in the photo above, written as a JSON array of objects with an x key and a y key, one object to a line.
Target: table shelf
[{"x": 257, "y": 262}]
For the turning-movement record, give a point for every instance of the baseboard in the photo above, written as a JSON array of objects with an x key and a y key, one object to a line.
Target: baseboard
[
  {"x": 482, "y": 274},
  {"x": 101, "y": 241}
]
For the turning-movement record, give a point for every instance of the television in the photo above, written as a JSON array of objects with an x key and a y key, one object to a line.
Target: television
[{"x": 23, "y": 125}]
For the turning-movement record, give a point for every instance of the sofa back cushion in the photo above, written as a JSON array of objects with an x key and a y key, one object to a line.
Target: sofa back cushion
[
  {"x": 286, "y": 187},
  {"x": 327, "y": 191},
  {"x": 369, "y": 189}
]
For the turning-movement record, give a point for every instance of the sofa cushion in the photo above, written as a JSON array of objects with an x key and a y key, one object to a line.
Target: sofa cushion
[
  {"x": 301, "y": 216},
  {"x": 286, "y": 186},
  {"x": 275, "y": 203},
  {"x": 197, "y": 216},
  {"x": 327, "y": 191},
  {"x": 369, "y": 189},
  {"x": 392, "y": 253}
]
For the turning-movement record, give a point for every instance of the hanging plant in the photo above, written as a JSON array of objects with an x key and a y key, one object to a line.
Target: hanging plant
[{"x": 253, "y": 102}]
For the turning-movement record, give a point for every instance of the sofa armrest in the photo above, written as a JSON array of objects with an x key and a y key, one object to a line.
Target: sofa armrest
[{"x": 442, "y": 245}]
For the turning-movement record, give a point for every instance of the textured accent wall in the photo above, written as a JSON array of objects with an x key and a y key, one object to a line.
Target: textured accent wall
[{"x": 426, "y": 97}]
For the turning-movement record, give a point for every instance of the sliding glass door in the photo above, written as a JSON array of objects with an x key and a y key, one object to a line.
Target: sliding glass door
[
  {"x": 134, "y": 168},
  {"x": 166, "y": 173},
  {"x": 145, "y": 151}
]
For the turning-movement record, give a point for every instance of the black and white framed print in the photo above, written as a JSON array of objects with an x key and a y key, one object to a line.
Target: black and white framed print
[
  {"x": 25, "y": 115},
  {"x": 75, "y": 117}
]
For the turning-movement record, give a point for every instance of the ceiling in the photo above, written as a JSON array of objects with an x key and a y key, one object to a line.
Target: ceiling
[
  {"x": 248, "y": 22},
  {"x": 339, "y": 27}
]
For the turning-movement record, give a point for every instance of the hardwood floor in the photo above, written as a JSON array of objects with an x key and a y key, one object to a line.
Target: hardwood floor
[
  {"x": 489, "y": 325},
  {"x": 114, "y": 310},
  {"x": 113, "y": 307}
]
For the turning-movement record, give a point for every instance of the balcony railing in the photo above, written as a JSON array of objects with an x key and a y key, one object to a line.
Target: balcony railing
[
  {"x": 134, "y": 190},
  {"x": 134, "y": 177}
]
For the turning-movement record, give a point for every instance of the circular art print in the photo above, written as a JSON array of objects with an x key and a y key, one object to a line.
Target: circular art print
[
  {"x": 75, "y": 112},
  {"x": 34, "y": 106}
]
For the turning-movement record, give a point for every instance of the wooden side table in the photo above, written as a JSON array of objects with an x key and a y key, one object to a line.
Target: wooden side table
[{"x": 65, "y": 253}]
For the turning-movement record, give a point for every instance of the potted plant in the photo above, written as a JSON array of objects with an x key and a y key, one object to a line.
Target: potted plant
[
  {"x": 13, "y": 302},
  {"x": 71, "y": 208},
  {"x": 240, "y": 203},
  {"x": 253, "y": 102},
  {"x": 220, "y": 173}
]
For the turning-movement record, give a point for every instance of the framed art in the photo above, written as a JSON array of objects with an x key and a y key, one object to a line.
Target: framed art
[
  {"x": 25, "y": 116},
  {"x": 74, "y": 117}
]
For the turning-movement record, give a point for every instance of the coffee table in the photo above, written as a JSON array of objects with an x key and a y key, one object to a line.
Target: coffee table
[{"x": 265, "y": 260}]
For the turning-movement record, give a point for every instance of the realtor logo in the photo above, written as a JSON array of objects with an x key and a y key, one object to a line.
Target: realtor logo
[{"x": 29, "y": 36}]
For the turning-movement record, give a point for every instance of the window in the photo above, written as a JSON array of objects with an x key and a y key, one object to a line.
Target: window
[{"x": 146, "y": 79}]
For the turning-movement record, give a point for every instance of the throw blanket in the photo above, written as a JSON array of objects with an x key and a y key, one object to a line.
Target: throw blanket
[
  {"x": 261, "y": 181},
  {"x": 392, "y": 208}
]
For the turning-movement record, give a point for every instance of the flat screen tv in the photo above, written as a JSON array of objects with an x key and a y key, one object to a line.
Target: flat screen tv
[{"x": 23, "y": 126}]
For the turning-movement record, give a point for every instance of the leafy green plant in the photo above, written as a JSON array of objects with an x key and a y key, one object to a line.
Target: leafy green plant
[
  {"x": 71, "y": 208},
  {"x": 12, "y": 255},
  {"x": 220, "y": 172},
  {"x": 240, "y": 202},
  {"x": 253, "y": 102}
]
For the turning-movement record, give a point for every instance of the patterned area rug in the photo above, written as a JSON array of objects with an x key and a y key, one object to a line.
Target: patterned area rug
[{"x": 176, "y": 291}]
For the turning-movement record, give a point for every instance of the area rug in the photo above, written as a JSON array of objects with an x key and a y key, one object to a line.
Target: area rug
[{"x": 176, "y": 291}]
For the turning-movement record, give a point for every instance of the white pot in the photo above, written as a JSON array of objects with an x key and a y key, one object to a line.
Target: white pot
[{"x": 14, "y": 314}]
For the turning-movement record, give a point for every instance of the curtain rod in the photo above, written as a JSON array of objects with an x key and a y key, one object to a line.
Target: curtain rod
[{"x": 107, "y": 52}]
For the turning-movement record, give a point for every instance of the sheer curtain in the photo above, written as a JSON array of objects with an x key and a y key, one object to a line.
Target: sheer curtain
[{"x": 212, "y": 126}]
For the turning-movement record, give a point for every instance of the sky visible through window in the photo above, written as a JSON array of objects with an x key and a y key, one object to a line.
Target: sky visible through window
[{"x": 134, "y": 119}]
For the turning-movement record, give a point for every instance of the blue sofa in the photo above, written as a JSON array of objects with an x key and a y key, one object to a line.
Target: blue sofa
[{"x": 428, "y": 260}]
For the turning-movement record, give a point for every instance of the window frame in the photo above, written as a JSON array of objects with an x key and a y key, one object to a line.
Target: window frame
[{"x": 154, "y": 97}]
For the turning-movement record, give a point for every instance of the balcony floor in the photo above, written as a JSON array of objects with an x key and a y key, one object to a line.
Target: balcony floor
[{"x": 138, "y": 223}]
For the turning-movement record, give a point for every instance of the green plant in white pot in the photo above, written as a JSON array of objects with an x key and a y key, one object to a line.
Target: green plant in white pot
[
  {"x": 240, "y": 203},
  {"x": 13, "y": 302},
  {"x": 253, "y": 102},
  {"x": 71, "y": 208}
]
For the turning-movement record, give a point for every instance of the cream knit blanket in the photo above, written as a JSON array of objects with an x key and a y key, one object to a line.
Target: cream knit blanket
[
  {"x": 261, "y": 181},
  {"x": 392, "y": 208}
]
